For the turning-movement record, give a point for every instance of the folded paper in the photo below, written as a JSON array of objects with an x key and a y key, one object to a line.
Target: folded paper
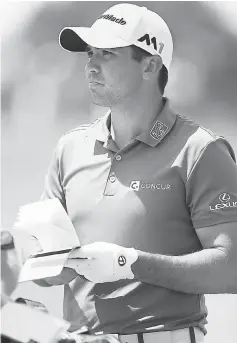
[{"x": 49, "y": 223}]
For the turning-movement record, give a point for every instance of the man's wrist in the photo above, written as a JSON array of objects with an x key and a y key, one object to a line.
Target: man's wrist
[
  {"x": 125, "y": 260},
  {"x": 141, "y": 264}
]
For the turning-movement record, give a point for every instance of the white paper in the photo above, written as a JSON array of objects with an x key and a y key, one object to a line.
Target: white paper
[
  {"x": 49, "y": 223},
  {"x": 38, "y": 267},
  {"x": 24, "y": 323}
]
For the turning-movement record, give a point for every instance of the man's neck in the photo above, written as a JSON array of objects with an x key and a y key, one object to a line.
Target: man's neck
[{"x": 130, "y": 119}]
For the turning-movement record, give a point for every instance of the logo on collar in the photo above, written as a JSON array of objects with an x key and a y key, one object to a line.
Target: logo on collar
[{"x": 158, "y": 130}]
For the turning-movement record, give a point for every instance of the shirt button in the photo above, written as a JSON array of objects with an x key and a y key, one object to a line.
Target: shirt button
[
  {"x": 118, "y": 157},
  {"x": 112, "y": 179}
]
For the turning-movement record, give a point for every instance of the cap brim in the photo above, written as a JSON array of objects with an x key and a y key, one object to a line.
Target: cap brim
[{"x": 76, "y": 39}]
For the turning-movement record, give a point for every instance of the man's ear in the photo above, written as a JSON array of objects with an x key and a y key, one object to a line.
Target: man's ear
[{"x": 151, "y": 66}]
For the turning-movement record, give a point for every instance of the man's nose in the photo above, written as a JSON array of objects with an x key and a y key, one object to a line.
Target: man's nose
[{"x": 93, "y": 65}]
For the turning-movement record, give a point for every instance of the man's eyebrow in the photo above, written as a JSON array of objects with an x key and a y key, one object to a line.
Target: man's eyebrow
[{"x": 89, "y": 48}]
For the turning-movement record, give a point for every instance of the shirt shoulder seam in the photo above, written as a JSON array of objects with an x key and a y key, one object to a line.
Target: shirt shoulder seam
[
  {"x": 194, "y": 123},
  {"x": 200, "y": 155},
  {"x": 82, "y": 127}
]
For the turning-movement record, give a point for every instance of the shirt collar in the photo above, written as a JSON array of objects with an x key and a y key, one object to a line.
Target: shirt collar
[
  {"x": 160, "y": 127},
  {"x": 102, "y": 127}
]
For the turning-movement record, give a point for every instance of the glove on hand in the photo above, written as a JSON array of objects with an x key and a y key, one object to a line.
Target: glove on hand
[{"x": 103, "y": 262}]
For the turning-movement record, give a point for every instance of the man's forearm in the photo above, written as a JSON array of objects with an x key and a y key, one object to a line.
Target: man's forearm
[{"x": 206, "y": 271}]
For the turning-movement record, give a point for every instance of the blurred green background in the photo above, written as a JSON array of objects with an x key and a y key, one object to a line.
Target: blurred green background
[{"x": 44, "y": 94}]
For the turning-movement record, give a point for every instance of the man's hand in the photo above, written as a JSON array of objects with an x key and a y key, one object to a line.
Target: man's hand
[
  {"x": 16, "y": 248},
  {"x": 65, "y": 277},
  {"x": 103, "y": 262},
  {"x": 10, "y": 266}
]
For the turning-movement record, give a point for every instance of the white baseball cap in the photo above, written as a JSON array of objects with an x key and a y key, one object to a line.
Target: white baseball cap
[{"x": 119, "y": 26}]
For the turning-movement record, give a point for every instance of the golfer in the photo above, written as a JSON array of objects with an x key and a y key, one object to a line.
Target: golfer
[{"x": 152, "y": 195}]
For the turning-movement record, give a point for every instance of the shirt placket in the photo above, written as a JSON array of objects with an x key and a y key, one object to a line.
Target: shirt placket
[{"x": 112, "y": 183}]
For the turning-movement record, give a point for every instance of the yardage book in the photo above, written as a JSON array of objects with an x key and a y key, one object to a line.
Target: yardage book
[{"x": 49, "y": 223}]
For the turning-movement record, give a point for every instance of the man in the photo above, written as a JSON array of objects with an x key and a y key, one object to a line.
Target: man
[{"x": 152, "y": 195}]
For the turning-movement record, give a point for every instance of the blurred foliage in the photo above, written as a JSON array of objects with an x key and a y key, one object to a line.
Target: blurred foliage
[{"x": 203, "y": 77}]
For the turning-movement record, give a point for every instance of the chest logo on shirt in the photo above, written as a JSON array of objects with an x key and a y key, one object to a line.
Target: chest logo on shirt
[
  {"x": 225, "y": 200},
  {"x": 142, "y": 185},
  {"x": 158, "y": 130}
]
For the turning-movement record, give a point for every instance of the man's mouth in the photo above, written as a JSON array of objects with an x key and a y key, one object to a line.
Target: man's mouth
[{"x": 95, "y": 83}]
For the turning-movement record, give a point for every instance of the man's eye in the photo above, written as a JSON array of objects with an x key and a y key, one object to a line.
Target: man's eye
[
  {"x": 89, "y": 53},
  {"x": 106, "y": 52}
]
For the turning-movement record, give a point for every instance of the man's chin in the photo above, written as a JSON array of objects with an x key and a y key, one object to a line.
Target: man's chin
[{"x": 100, "y": 101}]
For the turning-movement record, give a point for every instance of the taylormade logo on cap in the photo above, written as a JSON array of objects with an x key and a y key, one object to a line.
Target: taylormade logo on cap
[
  {"x": 112, "y": 18},
  {"x": 136, "y": 26}
]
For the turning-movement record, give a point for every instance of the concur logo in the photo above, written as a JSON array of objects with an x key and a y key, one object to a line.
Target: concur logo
[
  {"x": 135, "y": 185},
  {"x": 140, "y": 185}
]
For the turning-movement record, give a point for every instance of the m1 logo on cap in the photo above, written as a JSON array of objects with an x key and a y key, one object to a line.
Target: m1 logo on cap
[{"x": 146, "y": 38}]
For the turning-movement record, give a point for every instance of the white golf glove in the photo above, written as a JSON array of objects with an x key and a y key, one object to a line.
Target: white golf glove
[{"x": 103, "y": 262}]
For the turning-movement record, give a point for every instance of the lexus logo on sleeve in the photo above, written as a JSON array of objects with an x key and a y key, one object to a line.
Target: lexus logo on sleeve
[
  {"x": 224, "y": 197},
  {"x": 224, "y": 201}
]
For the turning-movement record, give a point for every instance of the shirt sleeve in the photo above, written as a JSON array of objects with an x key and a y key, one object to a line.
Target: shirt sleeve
[
  {"x": 211, "y": 188},
  {"x": 53, "y": 186}
]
